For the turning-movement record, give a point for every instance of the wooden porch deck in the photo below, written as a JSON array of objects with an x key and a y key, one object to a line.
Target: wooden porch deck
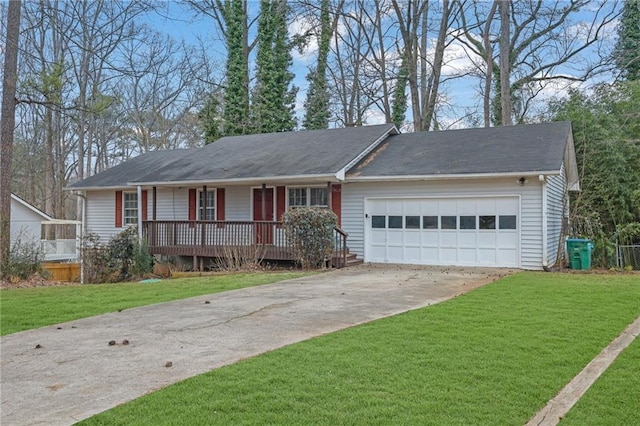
[{"x": 262, "y": 240}]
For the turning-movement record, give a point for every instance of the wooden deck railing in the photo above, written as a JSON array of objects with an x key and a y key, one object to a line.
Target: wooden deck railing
[{"x": 217, "y": 238}]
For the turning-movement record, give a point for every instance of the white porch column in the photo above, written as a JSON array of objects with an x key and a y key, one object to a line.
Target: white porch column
[{"x": 139, "y": 213}]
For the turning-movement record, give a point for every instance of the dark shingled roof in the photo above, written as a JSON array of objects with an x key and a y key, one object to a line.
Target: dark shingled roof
[
  {"x": 135, "y": 168},
  {"x": 509, "y": 149},
  {"x": 313, "y": 152}
]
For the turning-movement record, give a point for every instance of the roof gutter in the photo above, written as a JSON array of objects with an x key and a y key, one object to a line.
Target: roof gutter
[
  {"x": 239, "y": 181},
  {"x": 450, "y": 176}
]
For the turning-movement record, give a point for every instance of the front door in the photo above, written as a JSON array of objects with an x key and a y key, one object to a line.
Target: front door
[{"x": 264, "y": 232}]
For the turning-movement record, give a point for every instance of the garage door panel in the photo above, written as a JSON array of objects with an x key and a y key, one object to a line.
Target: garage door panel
[
  {"x": 467, "y": 256},
  {"x": 412, "y": 238},
  {"x": 429, "y": 255},
  {"x": 378, "y": 237},
  {"x": 445, "y": 231},
  {"x": 395, "y": 254},
  {"x": 487, "y": 239},
  {"x": 487, "y": 256},
  {"x": 466, "y": 207},
  {"x": 467, "y": 239},
  {"x": 448, "y": 256}
]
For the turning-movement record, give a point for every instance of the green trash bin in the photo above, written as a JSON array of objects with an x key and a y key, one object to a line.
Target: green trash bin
[{"x": 579, "y": 252}]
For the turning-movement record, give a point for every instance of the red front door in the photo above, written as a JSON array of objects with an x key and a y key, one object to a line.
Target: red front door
[{"x": 264, "y": 232}]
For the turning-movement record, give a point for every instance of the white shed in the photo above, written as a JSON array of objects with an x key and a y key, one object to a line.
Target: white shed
[{"x": 26, "y": 221}]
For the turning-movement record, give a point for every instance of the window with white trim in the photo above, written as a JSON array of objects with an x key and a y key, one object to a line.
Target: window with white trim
[
  {"x": 130, "y": 208},
  {"x": 308, "y": 197},
  {"x": 208, "y": 211}
]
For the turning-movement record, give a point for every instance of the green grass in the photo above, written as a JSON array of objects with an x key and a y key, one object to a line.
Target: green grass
[
  {"x": 615, "y": 398},
  {"x": 27, "y": 308},
  {"x": 494, "y": 356}
]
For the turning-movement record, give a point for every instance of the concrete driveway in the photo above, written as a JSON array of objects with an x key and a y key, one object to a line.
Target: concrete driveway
[{"x": 65, "y": 373}]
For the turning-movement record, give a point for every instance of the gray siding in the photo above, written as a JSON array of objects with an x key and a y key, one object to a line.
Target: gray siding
[
  {"x": 557, "y": 204},
  {"x": 353, "y": 195}
]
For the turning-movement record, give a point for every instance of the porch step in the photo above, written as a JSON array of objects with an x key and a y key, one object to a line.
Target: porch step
[{"x": 352, "y": 260}]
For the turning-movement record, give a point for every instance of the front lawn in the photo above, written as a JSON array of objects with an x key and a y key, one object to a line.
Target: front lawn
[
  {"x": 494, "y": 356},
  {"x": 615, "y": 398},
  {"x": 27, "y": 308}
]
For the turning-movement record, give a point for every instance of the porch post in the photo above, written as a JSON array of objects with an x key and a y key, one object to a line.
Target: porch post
[
  {"x": 139, "y": 214},
  {"x": 329, "y": 195},
  {"x": 155, "y": 197},
  {"x": 264, "y": 205},
  {"x": 203, "y": 203}
]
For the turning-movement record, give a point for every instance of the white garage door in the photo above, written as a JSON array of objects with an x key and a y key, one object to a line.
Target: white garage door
[{"x": 444, "y": 231}]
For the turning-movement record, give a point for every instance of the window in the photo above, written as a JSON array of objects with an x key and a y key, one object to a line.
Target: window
[
  {"x": 412, "y": 222},
  {"x": 467, "y": 222},
  {"x": 429, "y": 222},
  {"x": 507, "y": 222},
  {"x": 487, "y": 222},
  {"x": 130, "y": 208},
  {"x": 208, "y": 211},
  {"x": 318, "y": 197},
  {"x": 297, "y": 197},
  {"x": 448, "y": 222},
  {"x": 378, "y": 222},
  {"x": 395, "y": 222},
  {"x": 308, "y": 197}
]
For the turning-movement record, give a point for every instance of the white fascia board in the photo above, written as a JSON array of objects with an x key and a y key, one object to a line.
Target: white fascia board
[
  {"x": 242, "y": 181},
  {"x": 451, "y": 176},
  {"x": 101, "y": 188},
  {"x": 340, "y": 175}
]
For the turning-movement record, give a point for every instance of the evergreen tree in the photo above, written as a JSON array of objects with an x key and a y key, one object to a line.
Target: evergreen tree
[
  {"x": 399, "y": 107},
  {"x": 627, "y": 52},
  {"x": 273, "y": 102},
  {"x": 317, "y": 103},
  {"x": 236, "y": 97},
  {"x": 211, "y": 116}
]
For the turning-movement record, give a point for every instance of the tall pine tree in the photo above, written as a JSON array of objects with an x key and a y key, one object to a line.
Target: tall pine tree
[
  {"x": 273, "y": 102},
  {"x": 627, "y": 52},
  {"x": 236, "y": 98},
  {"x": 317, "y": 103}
]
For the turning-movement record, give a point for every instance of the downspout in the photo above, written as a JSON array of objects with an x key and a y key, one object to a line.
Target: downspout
[
  {"x": 545, "y": 253},
  {"x": 83, "y": 221}
]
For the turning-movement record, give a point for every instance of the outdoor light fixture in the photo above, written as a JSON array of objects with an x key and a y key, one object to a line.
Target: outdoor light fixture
[{"x": 522, "y": 181}]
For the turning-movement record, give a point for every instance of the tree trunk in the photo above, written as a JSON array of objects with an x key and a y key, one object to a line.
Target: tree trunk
[
  {"x": 486, "y": 40},
  {"x": 7, "y": 125},
  {"x": 505, "y": 67}
]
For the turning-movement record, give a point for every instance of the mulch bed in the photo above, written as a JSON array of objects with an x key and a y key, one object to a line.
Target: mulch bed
[{"x": 34, "y": 281}]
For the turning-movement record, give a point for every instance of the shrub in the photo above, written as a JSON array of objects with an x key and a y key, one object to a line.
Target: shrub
[
  {"x": 94, "y": 259},
  {"x": 310, "y": 232},
  {"x": 25, "y": 258},
  {"x": 121, "y": 259}
]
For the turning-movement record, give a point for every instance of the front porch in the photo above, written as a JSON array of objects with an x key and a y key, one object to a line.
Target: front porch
[{"x": 261, "y": 240}]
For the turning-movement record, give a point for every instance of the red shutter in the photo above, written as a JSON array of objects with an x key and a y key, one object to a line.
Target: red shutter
[
  {"x": 118, "y": 209},
  {"x": 220, "y": 206},
  {"x": 281, "y": 205},
  {"x": 336, "y": 201},
  {"x": 144, "y": 204},
  {"x": 193, "y": 206}
]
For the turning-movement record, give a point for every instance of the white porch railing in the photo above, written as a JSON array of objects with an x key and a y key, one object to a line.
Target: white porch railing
[{"x": 60, "y": 249}]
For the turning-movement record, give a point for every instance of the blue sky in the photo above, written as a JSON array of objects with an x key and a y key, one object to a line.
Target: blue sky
[{"x": 183, "y": 23}]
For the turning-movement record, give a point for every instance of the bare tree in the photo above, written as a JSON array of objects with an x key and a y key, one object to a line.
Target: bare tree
[
  {"x": 415, "y": 21},
  {"x": 546, "y": 42},
  {"x": 7, "y": 124}
]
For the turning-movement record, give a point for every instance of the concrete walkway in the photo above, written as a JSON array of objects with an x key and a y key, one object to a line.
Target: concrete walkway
[{"x": 62, "y": 374}]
